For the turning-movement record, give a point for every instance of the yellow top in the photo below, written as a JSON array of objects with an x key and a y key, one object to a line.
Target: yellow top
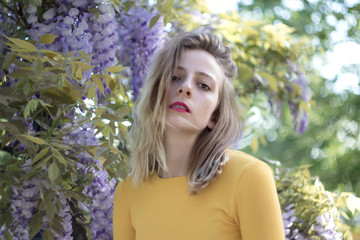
[{"x": 241, "y": 203}]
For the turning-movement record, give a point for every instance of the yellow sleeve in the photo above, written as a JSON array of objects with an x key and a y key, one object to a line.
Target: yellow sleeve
[
  {"x": 122, "y": 228},
  {"x": 257, "y": 204}
]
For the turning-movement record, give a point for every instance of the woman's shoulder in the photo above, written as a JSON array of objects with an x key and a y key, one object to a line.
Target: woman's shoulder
[{"x": 240, "y": 162}]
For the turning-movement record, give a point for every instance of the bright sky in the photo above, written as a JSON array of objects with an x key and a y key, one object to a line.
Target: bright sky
[{"x": 222, "y": 6}]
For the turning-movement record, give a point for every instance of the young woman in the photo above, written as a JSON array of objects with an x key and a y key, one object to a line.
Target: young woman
[{"x": 185, "y": 183}]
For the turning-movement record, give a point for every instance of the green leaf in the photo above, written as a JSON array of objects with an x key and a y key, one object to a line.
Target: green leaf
[
  {"x": 9, "y": 58},
  {"x": 30, "y": 107},
  {"x": 167, "y": 6},
  {"x": 78, "y": 74},
  {"x": 114, "y": 69},
  {"x": 245, "y": 73},
  {"x": 98, "y": 83},
  {"x": 92, "y": 151},
  {"x": 111, "y": 137},
  {"x": 59, "y": 156},
  {"x": 26, "y": 88},
  {"x": 40, "y": 155},
  {"x": 47, "y": 38},
  {"x": 154, "y": 20},
  {"x": 8, "y": 236},
  {"x": 34, "y": 139},
  {"x": 38, "y": 66},
  {"x": 19, "y": 74},
  {"x": 47, "y": 234},
  {"x": 35, "y": 225},
  {"x": 53, "y": 171},
  {"x": 22, "y": 44}
]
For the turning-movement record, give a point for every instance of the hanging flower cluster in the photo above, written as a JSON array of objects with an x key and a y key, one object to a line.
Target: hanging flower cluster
[
  {"x": 139, "y": 43},
  {"x": 67, "y": 20},
  {"x": 101, "y": 188},
  {"x": 24, "y": 202},
  {"x": 299, "y": 114}
]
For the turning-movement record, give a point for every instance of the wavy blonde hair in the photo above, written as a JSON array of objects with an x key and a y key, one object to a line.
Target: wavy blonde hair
[{"x": 147, "y": 133}]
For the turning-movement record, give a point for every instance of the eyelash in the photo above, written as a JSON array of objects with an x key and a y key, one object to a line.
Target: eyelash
[
  {"x": 204, "y": 86},
  {"x": 201, "y": 85},
  {"x": 175, "y": 78}
]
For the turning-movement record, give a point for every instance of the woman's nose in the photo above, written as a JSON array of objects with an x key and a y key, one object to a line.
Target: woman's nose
[{"x": 185, "y": 88}]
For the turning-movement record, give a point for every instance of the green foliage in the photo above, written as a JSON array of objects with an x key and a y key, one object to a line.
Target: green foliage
[
  {"x": 313, "y": 18},
  {"x": 310, "y": 200},
  {"x": 48, "y": 86}
]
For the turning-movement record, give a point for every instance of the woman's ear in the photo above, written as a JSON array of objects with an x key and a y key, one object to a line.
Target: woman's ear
[{"x": 212, "y": 122}]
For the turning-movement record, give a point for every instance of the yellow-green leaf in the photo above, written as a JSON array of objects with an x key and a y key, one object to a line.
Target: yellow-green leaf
[
  {"x": 22, "y": 44},
  {"x": 78, "y": 74},
  {"x": 167, "y": 6},
  {"x": 154, "y": 20},
  {"x": 92, "y": 151},
  {"x": 254, "y": 144},
  {"x": 47, "y": 38},
  {"x": 53, "y": 171},
  {"x": 270, "y": 79},
  {"x": 40, "y": 155},
  {"x": 20, "y": 74},
  {"x": 114, "y": 69},
  {"x": 98, "y": 83},
  {"x": 34, "y": 139},
  {"x": 84, "y": 66}
]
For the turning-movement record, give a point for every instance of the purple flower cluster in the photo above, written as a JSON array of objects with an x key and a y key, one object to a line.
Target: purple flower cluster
[
  {"x": 101, "y": 192},
  {"x": 64, "y": 213},
  {"x": 101, "y": 188},
  {"x": 67, "y": 20},
  {"x": 299, "y": 115},
  {"x": 139, "y": 43},
  {"x": 24, "y": 202},
  {"x": 105, "y": 39},
  {"x": 289, "y": 218},
  {"x": 326, "y": 228}
]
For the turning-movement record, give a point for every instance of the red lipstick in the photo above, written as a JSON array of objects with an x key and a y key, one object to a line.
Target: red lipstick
[{"x": 180, "y": 107}]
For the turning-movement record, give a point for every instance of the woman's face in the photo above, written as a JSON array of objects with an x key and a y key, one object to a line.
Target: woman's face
[{"x": 194, "y": 92}]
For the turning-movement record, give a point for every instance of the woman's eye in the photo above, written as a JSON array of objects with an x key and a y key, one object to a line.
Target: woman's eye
[
  {"x": 175, "y": 78},
  {"x": 204, "y": 86}
]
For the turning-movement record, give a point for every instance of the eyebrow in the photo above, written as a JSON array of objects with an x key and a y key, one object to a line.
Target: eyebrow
[{"x": 199, "y": 73}]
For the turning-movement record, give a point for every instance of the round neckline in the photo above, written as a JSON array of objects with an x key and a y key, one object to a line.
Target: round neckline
[{"x": 170, "y": 179}]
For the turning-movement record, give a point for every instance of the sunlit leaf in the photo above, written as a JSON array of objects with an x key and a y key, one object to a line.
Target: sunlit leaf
[
  {"x": 98, "y": 83},
  {"x": 115, "y": 69},
  {"x": 47, "y": 38},
  {"x": 166, "y": 7},
  {"x": 22, "y": 44}
]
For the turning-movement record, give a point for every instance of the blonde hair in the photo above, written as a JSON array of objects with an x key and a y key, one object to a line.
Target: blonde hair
[{"x": 147, "y": 133}]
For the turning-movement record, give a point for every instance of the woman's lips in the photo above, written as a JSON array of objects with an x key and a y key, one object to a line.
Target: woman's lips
[{"x": 180, "y": 107}]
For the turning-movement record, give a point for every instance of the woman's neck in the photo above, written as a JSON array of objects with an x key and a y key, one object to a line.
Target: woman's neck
[{"x": 178, "y": 147}]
